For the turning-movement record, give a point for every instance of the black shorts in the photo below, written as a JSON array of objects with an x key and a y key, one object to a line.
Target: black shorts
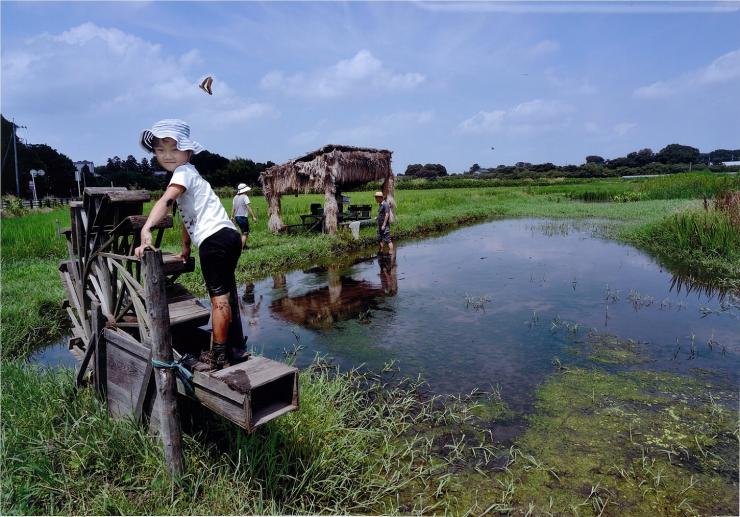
[
  {"x": 384, "y": 235},
  {"x": 219, "y": 255},
  {"x": 243, "y": 223}
]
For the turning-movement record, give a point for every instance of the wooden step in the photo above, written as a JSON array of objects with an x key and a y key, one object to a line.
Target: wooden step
[
  {"x": 251, "y": 393},
  {"x": 185, "y": 308}
]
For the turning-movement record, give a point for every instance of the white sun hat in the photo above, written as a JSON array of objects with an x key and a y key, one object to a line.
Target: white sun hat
[
  {"x": 241, "y": 188},
  {"x": 174, "y": 128}
]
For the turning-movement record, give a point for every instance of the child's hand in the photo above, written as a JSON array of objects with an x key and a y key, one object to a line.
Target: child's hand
[
  {"x": 146, "y": 242},
  {"x": 185, "y": 253}
]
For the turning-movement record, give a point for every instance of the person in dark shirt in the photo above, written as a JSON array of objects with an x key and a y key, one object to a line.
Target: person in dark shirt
[{"x": 384, "y": 223}]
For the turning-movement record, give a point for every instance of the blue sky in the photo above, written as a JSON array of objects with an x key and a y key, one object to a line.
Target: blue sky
[{"x": 433, "y": 82}]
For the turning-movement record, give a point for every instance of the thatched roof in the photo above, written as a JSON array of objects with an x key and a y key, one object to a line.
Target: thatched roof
[{"x": 339, "y": 165}]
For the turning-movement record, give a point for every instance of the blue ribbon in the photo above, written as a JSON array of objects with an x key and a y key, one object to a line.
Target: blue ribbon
[{"x": 183, "y": 373}]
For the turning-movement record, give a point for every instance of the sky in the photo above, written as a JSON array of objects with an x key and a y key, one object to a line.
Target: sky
[{"x": 455, "y": 83}]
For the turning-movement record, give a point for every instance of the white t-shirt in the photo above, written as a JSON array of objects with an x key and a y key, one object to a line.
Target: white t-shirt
[
  {"x": 201, "y": 209},
  {"x": 240, "y": 205}
]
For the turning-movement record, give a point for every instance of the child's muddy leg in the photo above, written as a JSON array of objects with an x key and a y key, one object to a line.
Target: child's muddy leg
[{"x": 221, "y": 316}]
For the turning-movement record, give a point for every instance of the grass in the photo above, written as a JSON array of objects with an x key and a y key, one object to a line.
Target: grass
[
  {"x": 31, "y": 249},
  {"x": 354, "y": 446},
  {"x": 598, "y": 443}
]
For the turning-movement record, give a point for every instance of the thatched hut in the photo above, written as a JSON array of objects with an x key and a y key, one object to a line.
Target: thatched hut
[{"x": 328, "y": 170}]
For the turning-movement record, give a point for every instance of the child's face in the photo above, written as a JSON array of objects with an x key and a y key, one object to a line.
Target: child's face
[{"x": 169, "y": 156}]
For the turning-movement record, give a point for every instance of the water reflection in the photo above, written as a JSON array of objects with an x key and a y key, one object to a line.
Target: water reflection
[
  {"x": 688, "y": 283},
  {"x": 342, "y": 298}
]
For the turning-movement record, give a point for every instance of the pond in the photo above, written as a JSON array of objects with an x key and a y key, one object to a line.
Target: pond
[{"x": 488, "y": 306}]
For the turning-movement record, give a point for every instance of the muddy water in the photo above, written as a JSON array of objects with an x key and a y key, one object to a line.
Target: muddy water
[{"x": 492, "y": 305}]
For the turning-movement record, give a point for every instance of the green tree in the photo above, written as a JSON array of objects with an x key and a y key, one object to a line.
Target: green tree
[{"x": 677, "y": 153}]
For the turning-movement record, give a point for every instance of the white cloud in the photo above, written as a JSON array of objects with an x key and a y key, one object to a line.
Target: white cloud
[
  {"x": 543, "y": 48},
  {"x": 373, "y": 132},
  {"x": 534, "y": 115},
  {"x": 623, "y": 128},
  {"x": 362, "y": 72},
  {"x": 102, "y": 71},
  {"x": 724, "y": 69},
  {"x": 569, "y": 85}
]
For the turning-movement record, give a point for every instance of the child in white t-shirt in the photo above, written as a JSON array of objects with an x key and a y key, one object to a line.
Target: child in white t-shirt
[{"x": 205, "y": 222}]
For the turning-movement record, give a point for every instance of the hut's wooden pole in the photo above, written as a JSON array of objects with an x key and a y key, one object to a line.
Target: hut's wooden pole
[
  {"x": 330, "y": 210},
  {"x": 159, "y": 316},
  {"x": 275, "y": 223}
]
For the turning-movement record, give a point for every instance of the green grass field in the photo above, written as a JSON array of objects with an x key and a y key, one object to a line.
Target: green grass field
[
  {"x": 31, "y": 250},
  {"x": 358, "y": 444}
]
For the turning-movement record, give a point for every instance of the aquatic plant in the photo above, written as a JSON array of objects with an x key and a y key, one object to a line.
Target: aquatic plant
[
  {"x": 476, "y": 302},
  {"x": 639, "y": 300}
]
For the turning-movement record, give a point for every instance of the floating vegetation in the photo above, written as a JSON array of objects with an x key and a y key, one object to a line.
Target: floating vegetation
[
  {"x": 633, "y": 443},
  {"x": 639, "y": 300},
  {"x": 533, "y": 320},
  {"x": 476, "y": 302},
  {"x": 571, "y": 326},
  {"x": 611, "y": 295},
  {"x": 609, "y": 349}
]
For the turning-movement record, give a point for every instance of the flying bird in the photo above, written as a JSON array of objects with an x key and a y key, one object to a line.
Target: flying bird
[{"x": 206, "y": 85}]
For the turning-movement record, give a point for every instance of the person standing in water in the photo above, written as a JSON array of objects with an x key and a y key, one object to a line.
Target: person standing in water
[
  {"x": 240, "y": 209},
  {"x": 384, "y": 223}
]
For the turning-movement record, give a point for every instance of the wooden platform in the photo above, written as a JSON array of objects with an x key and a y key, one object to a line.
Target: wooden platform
[{"x": 249, "y": 394}]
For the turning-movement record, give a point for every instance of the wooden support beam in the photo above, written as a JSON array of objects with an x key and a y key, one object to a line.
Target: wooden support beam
[
  {"x": 98, "y": 324},
  {"x": 161, "y": 338}
]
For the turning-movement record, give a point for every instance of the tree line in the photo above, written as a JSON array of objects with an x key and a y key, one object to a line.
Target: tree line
[
  {"x": 144, "y": 173},
  {"x": 671, "y": 159}
]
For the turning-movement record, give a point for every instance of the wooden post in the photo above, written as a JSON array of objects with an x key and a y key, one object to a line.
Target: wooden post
[
  {"x": 97, "y": 324},
  {"x": 274, "y": 223},
  {"x": 330, "y": 210},
  {"x": 159, "y": 316}
]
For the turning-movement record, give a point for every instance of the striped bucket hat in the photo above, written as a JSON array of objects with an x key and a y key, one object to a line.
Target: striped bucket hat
[{"x": 176, "y": 129}]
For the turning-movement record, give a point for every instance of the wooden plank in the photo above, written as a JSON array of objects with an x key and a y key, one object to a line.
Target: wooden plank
[
  {"x": 161, "y": 338},
  {"x": 217, "y": 397},
  {"x": 206, "y": 382},
  {"x": 259, "y": 370},
  {"x": 271, "y": 413},
  {"x": 80, "y": 377},
  {"x": 128, "y": 196},
  {"x": 146, "y": 391},
  {"x": 125, "y": 374},
  {"x": 188, "y": 311},
  {"x": 134, "y": 223},
  {"x": 127, "y": 343}
]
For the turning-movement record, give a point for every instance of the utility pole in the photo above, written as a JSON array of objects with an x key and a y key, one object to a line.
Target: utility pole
[{"x": 15, "y": 156}]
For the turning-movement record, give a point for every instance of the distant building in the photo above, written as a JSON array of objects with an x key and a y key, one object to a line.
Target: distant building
[
  {"x": 731, "y": 164},
  {"x": 81, "y": 165}
]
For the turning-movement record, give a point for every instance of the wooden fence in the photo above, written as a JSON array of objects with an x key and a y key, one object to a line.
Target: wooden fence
[{"x": 47, "y": 202}]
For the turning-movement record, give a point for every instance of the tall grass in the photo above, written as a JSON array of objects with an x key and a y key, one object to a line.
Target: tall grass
[
  {"x": 347, "y": 451},
  {"x": 705, "y": 242},
  {"x": 676, "y": 186}
]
